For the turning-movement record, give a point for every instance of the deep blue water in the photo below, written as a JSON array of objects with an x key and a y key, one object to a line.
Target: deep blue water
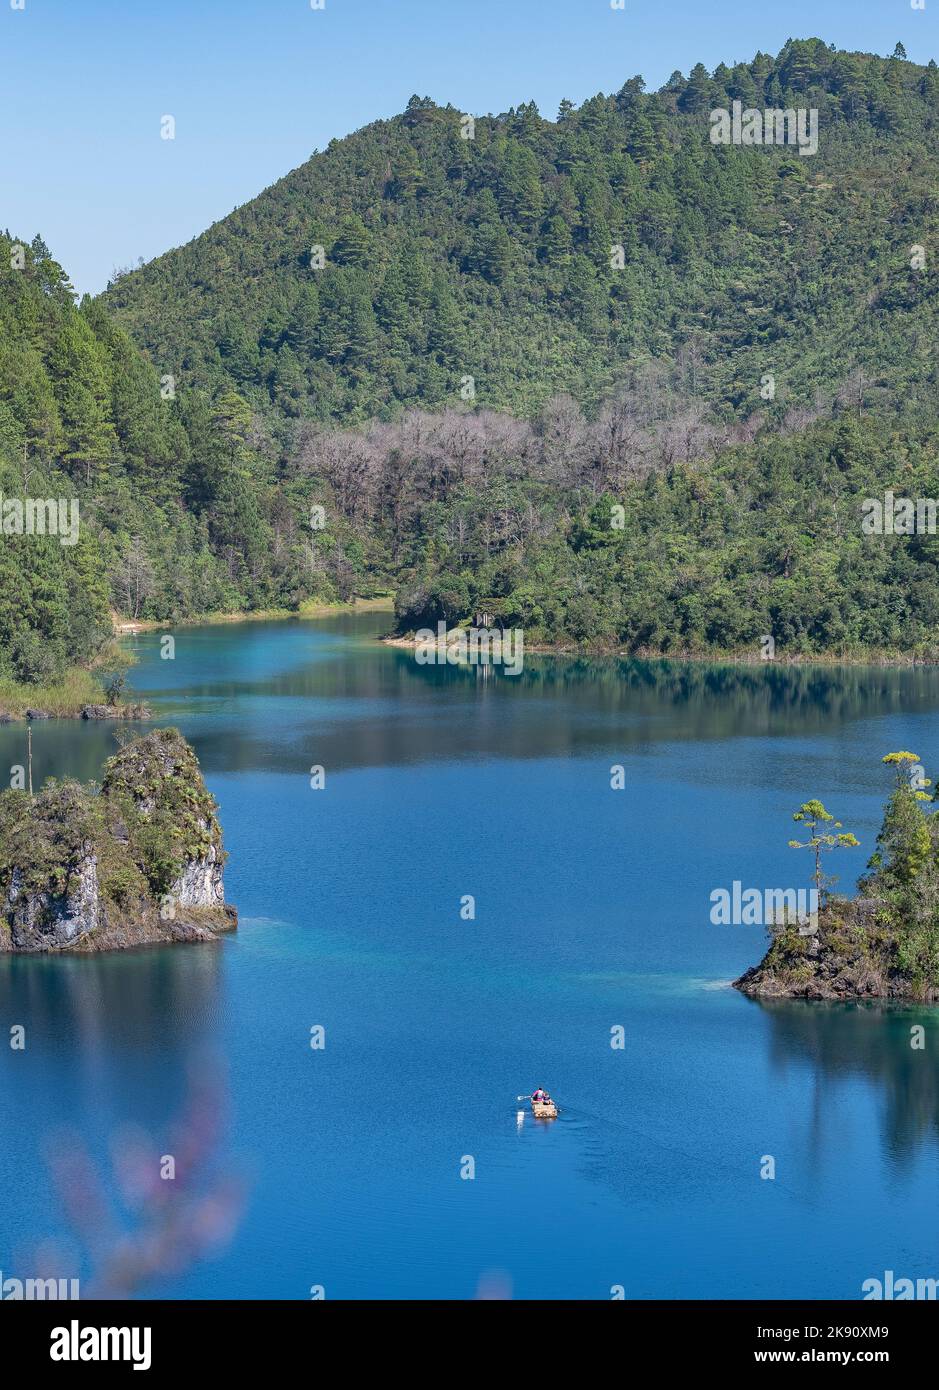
[{"x": 592, "y": 911}]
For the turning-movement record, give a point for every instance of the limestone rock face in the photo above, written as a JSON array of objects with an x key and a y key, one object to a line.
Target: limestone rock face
[
  {"x": 200, "y": 883},
  {"x": 45, "y": 920},
  {"x": 139, "y": 862}
]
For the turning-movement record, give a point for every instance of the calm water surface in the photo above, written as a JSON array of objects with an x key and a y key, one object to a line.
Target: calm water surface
[{"x": 592, "y": 911}]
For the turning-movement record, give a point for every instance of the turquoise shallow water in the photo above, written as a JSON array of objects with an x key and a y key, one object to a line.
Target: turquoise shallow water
[{"x": 592, "y": 911}]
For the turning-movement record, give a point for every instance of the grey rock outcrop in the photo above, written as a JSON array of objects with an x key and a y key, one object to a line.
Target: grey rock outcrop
[
  {"x": 200, "y": 883},
  {"x": 45, "y": 920},
  {"x": 139, "y": 862},
  {"x": 115, "y": 712}
]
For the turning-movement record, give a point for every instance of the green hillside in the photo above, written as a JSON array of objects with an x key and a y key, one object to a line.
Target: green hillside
[
  {"x": 490, "y": 257},
  {"x": 509, "y": 341}
]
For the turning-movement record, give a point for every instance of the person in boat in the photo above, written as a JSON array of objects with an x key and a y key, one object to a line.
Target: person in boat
[{"x": 541, "y": 1097}]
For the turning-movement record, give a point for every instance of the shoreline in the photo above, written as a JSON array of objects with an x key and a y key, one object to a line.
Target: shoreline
[
  {"x": 77, "y": 695},
  {"x": 129, "y": 627},
  {"x": 91, "y": 711},
  {"x": 874, "y": 657},
  {"x": 78, "y": 691}
]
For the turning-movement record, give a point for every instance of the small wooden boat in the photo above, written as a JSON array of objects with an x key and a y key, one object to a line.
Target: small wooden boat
[{"x": 544, "y": 1111}]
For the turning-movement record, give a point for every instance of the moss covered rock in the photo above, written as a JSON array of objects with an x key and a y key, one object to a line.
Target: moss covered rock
[
  {"x": 139, "y": 860},
  {"x": 860, "y": 950}
]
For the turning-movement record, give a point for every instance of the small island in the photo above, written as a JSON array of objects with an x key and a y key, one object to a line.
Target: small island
[
  {"x": 882, "y": 944},
  {"x": 133, "y": 862}
]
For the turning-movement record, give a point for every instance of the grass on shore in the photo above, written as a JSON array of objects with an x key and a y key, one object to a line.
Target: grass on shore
[{"x": 64, "y": 697}]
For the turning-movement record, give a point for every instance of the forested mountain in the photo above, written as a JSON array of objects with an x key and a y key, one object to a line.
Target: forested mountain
[
  {"x": 490, "y": 257},
  {"x": 507, "y": 341}
]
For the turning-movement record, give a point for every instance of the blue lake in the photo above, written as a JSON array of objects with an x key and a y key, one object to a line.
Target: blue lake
[{"x": 591, "y": 913}]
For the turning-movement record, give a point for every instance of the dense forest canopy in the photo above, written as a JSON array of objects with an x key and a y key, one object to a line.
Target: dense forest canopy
[
  {"x": 490, "y": 257},
  {"x": 181, "y": 510},
  {"x": 474, "y": 353},
  {"x": 647, "y": 533}
]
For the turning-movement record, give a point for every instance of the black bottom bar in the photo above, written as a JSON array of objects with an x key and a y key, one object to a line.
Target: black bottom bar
[{"x": 163, "y": 1338}]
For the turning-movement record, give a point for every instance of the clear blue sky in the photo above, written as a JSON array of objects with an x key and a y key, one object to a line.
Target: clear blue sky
[{"x": 256, "y": 85}]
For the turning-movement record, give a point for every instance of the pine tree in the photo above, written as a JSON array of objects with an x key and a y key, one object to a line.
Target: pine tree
[
  {"x": 79, "y": 373},
  {"x": 392, "y": 305},
  {"x": 353, "y": 244},
  {"x": 903, "y": 844},
  {"x": 696, "y": 97}
]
